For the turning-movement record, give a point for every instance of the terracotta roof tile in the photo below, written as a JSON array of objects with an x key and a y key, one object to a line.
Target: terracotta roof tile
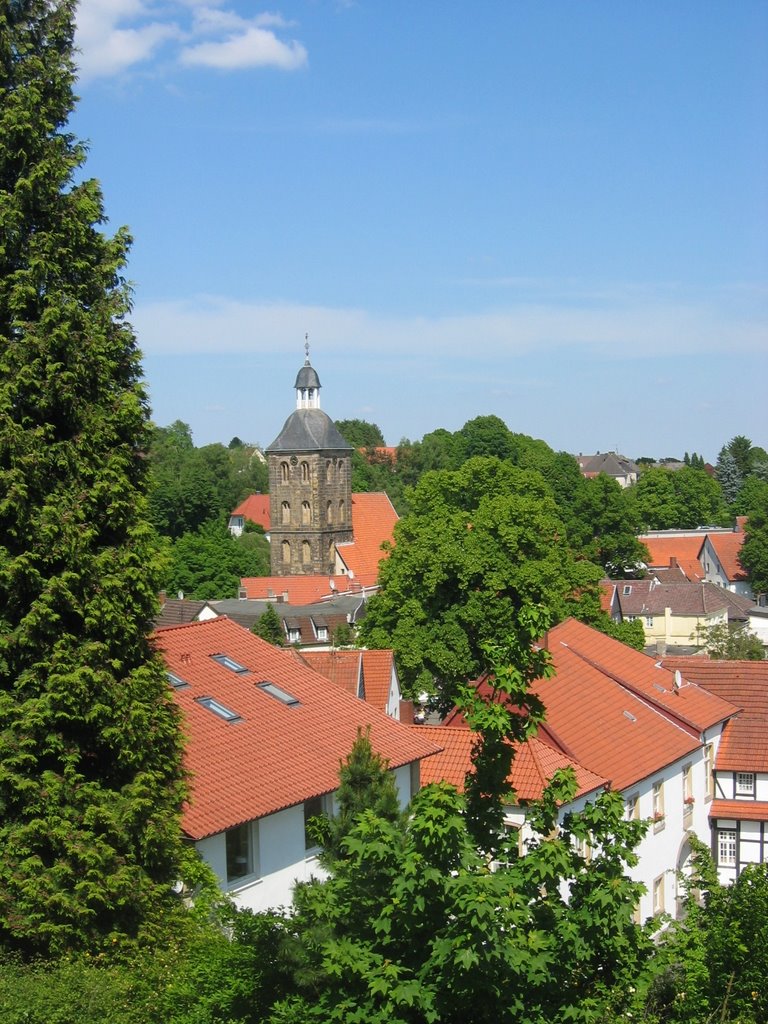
[
  {"x": 256, "y": 508},
  {"x": 378, "y": 667},
  {"x": 744, "y": 745},
  {"x": 727, "y": 547},
  {"x": 534, "y": 764},
  {"x": 685, "y": 549},
  {"x": 275, "y": 755},
  {"x": 342, "y": 668},
  {"x": 739, "y": 810},
  {"x": 373, "y": 523},
  {"x": 301, "y": 590}
]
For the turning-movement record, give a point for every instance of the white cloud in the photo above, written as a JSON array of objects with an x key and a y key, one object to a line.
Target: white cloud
[
  {"x": 115, "y": 35},
  {"x": 253, "y": 47},
  {"x": 217, "y": 324}
]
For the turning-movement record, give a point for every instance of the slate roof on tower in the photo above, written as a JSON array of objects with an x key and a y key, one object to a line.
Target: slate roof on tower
[{"x": 308, "y": 430}]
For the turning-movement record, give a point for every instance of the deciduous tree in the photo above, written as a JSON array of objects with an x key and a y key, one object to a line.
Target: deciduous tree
[{"x": 90, "y": 775}]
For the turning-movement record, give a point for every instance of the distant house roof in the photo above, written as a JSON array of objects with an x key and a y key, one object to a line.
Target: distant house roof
[
  {"x": 256, "y": 508},
  {"x": 744, "y": 745},
  {"x": 350, "y": 669},
  {"x": 649, "y": 597},
  {"x": 610, "y": 463},
  {"x": 298, "y": 590},
  {"x": 270, "y": 754},
  {"x": 684, "y": 550},
  {"x": 373, "y": 523},
  {"x": 727, "y": 547},
  {"x": 534, "y": 763},
  {"x": 176, "y": 611}
]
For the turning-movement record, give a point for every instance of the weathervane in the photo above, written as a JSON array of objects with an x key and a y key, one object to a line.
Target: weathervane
[{"x": 306, "y": 349}]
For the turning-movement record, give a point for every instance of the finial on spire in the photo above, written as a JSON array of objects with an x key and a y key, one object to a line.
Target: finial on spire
[{"x": 306, "y": 349}]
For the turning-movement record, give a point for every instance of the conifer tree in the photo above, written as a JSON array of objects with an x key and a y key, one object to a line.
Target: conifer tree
[{"x": 90, "y": 770}]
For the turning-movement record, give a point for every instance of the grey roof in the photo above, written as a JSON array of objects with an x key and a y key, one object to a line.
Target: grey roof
[
  {"x": 649, "y": 597},
  {"x": 307, "y": 377},
  {"x": 308, "y": 430}
]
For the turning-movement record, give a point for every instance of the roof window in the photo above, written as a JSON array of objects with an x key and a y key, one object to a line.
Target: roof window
[
  {"x": 176, "y": 681},
  {"x": 219, "y": 709},
  {"x": 282, "y": 695},
  {"x": 230, "y": 663}
]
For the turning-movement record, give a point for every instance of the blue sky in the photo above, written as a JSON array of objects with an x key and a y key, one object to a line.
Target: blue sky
[{"x": 552, "y": 211}]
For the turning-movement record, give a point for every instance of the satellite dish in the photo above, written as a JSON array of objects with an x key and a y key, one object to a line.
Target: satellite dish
[{"x": 331, "y": 584}]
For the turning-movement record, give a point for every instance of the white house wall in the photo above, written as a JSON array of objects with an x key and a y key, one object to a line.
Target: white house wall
[{"x": 280, "y": 858}]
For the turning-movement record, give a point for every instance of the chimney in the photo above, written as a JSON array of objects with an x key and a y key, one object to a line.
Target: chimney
[{"x": 673, "y": 562}]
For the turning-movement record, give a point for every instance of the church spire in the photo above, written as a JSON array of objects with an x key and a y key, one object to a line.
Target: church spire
[{"x": 307, "y": 383}]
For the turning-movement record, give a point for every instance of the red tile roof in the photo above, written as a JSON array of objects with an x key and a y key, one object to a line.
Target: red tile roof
[
  {"x": 744, "y": 744},
  {"x": 343, "y": 668},
  {"x": 378, "y": 667},
  {"x": 614, "y": 711},
  {"x": 256, "y": 508},
  {"x": 727, "y": 547},
  {"x": 534, "y": 764},
  {"x": 685, "y": 549},
  {"x": 275, "y": 755},
  {"x": 373, "y": 523},
  {"x": 739, "y": 810},
  {"x": 301, "y": 590}
]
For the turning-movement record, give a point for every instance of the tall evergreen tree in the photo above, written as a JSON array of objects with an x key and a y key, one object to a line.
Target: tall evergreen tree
[{"x": 90, "y": 770}]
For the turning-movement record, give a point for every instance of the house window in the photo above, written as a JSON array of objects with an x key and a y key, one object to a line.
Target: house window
[
  {"x": 649, "y": 620},
  {"x": 279, "y": 694},
  {"x": 306, "y": 513},
  {"x": 285, "y": 547},
  {"x": 745, "y": 784},
  {"x": 633, "y": 807},
  {"x": 306, "y": 552},
  {"x": 687, "y": 784},
  {"x": 219, "y": 709},
  {"x": 657, "y": 806},
  {"x": 242, "y": 851},
  {"x": 305, "y": 472},
  {"x": 626, "y": 591},
  {"x": 230, "y": 663},
  {"x": 709, "y": 777},
  {"x": 176, "y": 681},
  {"x": 726, "y": 847},
  {"x": 313, "y": 808},
  {"x": 294, "y": 635},
  {"x": 322, "y": 632},
  {"x": 284, "y": 472},
  {"x": 658, "y": 895}
]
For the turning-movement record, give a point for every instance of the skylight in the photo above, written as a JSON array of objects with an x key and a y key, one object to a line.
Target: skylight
[
  {"x": 219, "y": 709},
  {"x": 278, "y": 694},
  {"x": 230, "y": 663},
  {"x": 176, "y": 681}
]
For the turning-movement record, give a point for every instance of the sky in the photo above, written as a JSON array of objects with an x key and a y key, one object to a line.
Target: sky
[{"x": 550, "y": 211}]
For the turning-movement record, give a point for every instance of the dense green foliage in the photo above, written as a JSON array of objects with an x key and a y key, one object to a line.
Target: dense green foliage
[
  {"x": 712, "y": 964},
  {"x": 360, "y": 434},
  {"x": 730, "y": 641},
  {"x": 478, "y": 544},
  {"x": 270, "y": 627},
  {"x": 90, "y": 777},
  {"x": 194, "y": 486},
  {"x": 209, "y": 563}
]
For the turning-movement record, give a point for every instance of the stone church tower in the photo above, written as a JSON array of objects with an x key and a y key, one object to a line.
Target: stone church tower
[{"x": 310, "y": 486}]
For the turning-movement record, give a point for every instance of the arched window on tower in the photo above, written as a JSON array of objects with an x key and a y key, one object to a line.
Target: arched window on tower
[
  {"x": 328, "y": 471},
  {"x": 284, "y": 471},
  {"x": 331, "y": 557},
  {"x": 340, "y": 469},
  {"x": 305, "y": 472},
  {"x": 285, "y": 549},
  {"x": 329, "y": 512},
  {"x": 306, "y": 552},
  {"x": 285, "y": 513},
  {"x": 342, "y": 511},
  {"x": 306, "y": 513}
]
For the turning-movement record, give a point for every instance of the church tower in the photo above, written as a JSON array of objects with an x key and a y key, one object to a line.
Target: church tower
[{"x": 310, "y": 485}]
